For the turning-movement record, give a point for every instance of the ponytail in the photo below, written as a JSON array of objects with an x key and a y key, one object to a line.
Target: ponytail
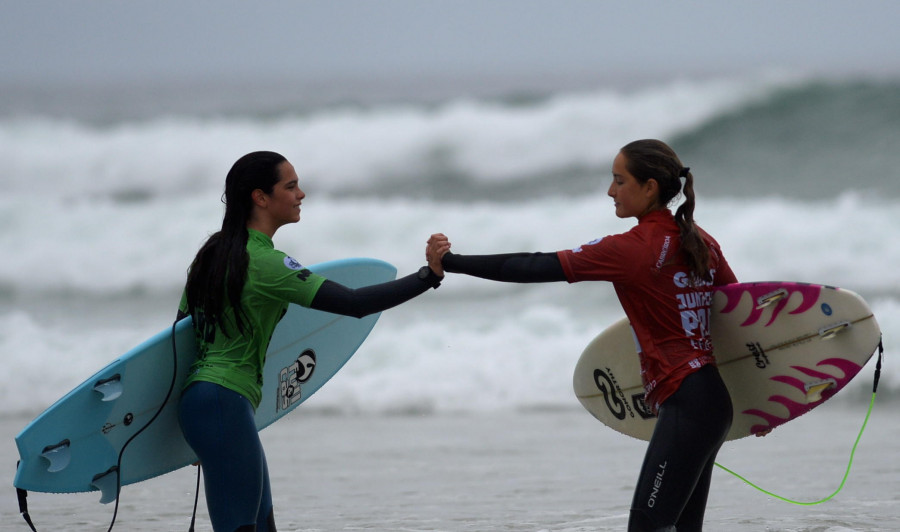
[
  {"x": 694, "y": 249},
  {"x": 654, "y": 159}
]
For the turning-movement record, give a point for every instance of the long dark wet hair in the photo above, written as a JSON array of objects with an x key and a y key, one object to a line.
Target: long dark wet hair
[
  {"x": 654, "y": 159},
  {"x": 220, "y": 268}
]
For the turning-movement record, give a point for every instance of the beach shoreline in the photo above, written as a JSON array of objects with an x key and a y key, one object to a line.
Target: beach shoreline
[{"x": 541, "y": 470}]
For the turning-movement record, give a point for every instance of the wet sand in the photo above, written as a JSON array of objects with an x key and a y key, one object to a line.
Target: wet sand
[{"x": 507, "y": 471}]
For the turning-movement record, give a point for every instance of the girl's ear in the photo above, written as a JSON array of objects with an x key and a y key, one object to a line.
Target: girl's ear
[
  {"x": 651, "y": 189},
  {"x": 258, "y": 197}
]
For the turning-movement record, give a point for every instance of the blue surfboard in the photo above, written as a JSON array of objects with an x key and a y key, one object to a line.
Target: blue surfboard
[{"x": 74, "y": 445}]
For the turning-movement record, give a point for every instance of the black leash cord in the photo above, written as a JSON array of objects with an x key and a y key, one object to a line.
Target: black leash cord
[
  {"x": 196, "y": 498},
  {"x": 23, "y": 504},
  {"x": 22, "y": 495},
  {"x": 135, "y": 435},
  {"x": 878, "y": 365}
]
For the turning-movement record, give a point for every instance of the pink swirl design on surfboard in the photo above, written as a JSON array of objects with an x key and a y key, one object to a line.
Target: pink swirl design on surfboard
[
  {"x": 795, "y": 409},
  {"x": 734, "y": 293}
]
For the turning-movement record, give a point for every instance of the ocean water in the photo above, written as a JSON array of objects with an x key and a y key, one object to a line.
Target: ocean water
[
  {"x": 102, "y": 211},
  {"x": 105, "y": 200}
]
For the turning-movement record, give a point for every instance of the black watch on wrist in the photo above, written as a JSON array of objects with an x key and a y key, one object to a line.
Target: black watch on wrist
[{"x": 427, "y": 275}]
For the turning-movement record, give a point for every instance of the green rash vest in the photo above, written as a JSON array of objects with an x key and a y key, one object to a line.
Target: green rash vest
[{"x": 235, "y": 360}]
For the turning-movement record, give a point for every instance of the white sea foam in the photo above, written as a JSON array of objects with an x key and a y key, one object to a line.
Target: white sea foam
[
  {"x": 496, "y": 345},
  {"x": 99, "y": 222},
  {"x": 343, "y": 148}
]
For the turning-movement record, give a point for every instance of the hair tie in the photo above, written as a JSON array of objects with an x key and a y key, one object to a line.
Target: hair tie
[{"x": 684, "y": 171}]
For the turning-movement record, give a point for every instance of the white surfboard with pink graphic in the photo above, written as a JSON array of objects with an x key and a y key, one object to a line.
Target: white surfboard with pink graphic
[{"x": 782, "y": 349}]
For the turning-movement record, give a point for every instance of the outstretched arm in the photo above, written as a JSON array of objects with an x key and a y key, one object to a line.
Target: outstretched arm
[
  {"x": 360, "y": 302},
  {"x": 509, "y": 267}
]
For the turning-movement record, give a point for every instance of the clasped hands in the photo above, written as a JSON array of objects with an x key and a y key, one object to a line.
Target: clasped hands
[{"x": 437, "y": 246}]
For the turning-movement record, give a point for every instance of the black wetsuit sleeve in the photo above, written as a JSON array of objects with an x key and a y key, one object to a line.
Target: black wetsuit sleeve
[
  {"x": 509, "y": 267},
  {"x": 359, "y": 302}
]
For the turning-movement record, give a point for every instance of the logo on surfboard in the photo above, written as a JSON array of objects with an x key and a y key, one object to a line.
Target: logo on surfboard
[
  {"x": 759, "y": 354},
  {"x": 641, "y": 406},
  {"x": 291, "y": 377},
  {"x": 615, "y": 399},
  {"x": 612, "y": 393}
]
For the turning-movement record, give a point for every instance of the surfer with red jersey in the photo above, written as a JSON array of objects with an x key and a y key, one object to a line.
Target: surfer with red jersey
[{"x": 662, "y": 271}]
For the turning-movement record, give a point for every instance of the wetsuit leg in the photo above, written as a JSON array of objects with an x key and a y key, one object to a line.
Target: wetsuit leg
[
  {"x": 674, "y": 481},
  {"x": 219, "y": 426},
  {"x": 265, "y": 518},
  {"x": 692, "y": 516},
  {"x": 270, "y": 521}
]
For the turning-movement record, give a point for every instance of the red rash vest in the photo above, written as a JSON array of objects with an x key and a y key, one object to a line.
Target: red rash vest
[{"x": 669, "y": 314}]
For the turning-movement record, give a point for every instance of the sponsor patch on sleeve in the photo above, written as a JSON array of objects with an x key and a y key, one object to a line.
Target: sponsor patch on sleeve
[
  {"x": 580, "y": 248},
  {"x": 292, "y": 264}
]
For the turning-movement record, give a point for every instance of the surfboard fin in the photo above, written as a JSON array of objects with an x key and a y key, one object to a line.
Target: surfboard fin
[
  {"x": 110, "y": 388},
  {"x": 57, "y": 455},
  {"x": 814, "y": 390},
  {"x": 108, "y": 484},
  {"x": 827, "y": 333},
  {"x": 767, "y": 299}
]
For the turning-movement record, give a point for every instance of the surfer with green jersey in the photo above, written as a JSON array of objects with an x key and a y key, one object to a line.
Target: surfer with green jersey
[
  {"x": 238, "y": 288},
  {"x": 662, "y": 271},
  {"x": 235, "y": 361}
]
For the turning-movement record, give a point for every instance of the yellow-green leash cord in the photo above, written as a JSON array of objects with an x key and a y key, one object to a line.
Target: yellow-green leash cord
[{"x": 852, "y": 451}]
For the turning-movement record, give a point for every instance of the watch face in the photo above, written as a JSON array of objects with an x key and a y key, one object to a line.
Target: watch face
[{"x": 427, "y": 276}]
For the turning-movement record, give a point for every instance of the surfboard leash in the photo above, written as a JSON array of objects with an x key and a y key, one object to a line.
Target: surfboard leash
[
  {"x": 22, "y": 495},
  {"x": 196, "y": 499},
  {"x": 852, "y": 451},
  {"x": 142, "y": 429}
]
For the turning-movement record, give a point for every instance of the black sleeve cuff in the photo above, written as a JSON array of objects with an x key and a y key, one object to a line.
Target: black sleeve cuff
[{"x": 427, "y": 276}]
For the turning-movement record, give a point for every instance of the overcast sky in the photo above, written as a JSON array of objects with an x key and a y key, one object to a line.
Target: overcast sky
[{"x": 111, "y": 41}]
